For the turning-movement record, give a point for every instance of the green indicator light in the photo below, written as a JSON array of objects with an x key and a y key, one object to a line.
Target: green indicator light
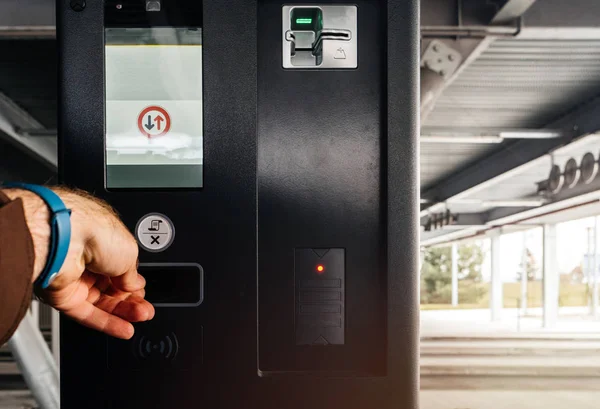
[{"x": 303, "y": 20}]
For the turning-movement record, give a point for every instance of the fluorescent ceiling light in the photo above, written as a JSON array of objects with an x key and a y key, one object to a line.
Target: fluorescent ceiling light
[
  {"x": 465, "y": 137},
  {"x": 512, "y": 203},
  {"x": 460, "y": 139},
  {"x": 532, "y": 134},
  {"x": 498, "y": 203},
  {"x": 461, "y": 226}
]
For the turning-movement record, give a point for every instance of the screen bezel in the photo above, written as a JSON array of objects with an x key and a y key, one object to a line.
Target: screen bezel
[{"x": 173, "y": 14}]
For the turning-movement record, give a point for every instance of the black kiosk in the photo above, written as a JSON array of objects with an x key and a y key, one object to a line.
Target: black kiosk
[{"x": 264, "y": 154}]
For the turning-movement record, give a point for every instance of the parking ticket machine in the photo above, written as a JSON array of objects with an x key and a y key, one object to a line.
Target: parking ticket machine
[{"x": 264, "y": 155}]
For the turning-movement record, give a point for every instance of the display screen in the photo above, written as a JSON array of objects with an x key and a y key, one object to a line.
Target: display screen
[{"x": 154, "y": 135}]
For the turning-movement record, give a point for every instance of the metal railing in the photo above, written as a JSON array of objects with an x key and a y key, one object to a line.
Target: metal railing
[{"x": 36, "y": 358}]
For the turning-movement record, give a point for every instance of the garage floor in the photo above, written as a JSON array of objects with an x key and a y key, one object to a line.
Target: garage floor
[
  {"x": 509, "y": 399},
  {"x": 16, "y": 400},
  {"x": 435, "y": 400}
]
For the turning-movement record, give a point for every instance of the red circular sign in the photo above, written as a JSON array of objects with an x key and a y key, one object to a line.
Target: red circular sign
[{"x": 154, "y": 121}]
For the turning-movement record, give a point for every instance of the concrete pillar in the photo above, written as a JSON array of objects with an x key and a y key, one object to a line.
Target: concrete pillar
[
  {"x": 550, "y": 276},
  {"x": 496, "y": 291},
  {"x": 454, "y": 274},
  {"x": 524, "y": 263}
]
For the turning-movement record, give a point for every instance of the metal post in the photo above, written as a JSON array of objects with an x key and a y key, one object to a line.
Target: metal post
[
  {"x": 35, "y": 312},
  {"x": 32, "y": 355},
  {"x": 550, "y": 277},
  {"x": 524, "y": 265},
  {"x": 432, "y": 85},
  {"x": 496, "y": 295},
  {"x": 55, "y": 325},
  {"x": 454, "y": 274}
]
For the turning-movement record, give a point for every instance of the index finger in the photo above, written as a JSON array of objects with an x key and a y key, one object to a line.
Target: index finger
[{"x": 93, "y": 317}]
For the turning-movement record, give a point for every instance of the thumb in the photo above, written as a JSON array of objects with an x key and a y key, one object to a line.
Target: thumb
[
  {"x": 114, "y": 254},
  {"x": 129, "y": 282}
]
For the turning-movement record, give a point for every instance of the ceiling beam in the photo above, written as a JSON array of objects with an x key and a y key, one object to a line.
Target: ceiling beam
[
  {"x": 437, "y": 237},
  {"x": 562, "y": 20},
  {"x": 462, "y": 220},
  {"x": 563, "y": 209},
  {"x": 563, "y": 14},
  {"x": 563, "y": 196},
  {"x": 582, "y": 121},
  {"x": 25, "y": 20},
  {"x": 12, "y": 117},
  {"x": 512, "y": 10}
]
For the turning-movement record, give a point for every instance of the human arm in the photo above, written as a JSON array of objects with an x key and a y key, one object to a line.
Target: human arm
[{"x": 98, "y": 284}]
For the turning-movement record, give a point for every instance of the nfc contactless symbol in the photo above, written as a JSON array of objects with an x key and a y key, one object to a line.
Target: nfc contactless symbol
[
  {"x": 165, "y": 347},
  {"x": 154, "y": 121}
]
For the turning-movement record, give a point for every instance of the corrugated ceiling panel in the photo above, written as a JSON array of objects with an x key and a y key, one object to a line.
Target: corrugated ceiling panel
[
  {"x": 514, "y": 84},
  {"x": 438, "y": 159}
]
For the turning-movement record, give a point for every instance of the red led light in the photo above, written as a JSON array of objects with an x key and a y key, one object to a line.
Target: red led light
[{"x": 320, "y": 268}]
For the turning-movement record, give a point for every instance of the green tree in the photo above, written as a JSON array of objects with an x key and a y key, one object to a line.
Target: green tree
[
  {"x": 436, "y": 274},
  {"x": 470, "y": 260}
]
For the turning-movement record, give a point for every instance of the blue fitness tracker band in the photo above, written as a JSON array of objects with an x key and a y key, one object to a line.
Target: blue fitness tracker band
[{"x": 60, "y": 231}]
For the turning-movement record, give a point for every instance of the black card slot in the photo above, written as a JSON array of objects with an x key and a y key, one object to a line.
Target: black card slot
[{"x": 173, "y": 285}]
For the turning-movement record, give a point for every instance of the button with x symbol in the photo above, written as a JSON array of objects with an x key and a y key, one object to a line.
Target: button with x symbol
[{"x": 155, "y": 232}]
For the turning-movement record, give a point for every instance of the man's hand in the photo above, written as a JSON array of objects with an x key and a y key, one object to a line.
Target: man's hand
[{"x": 98, "y": 285}]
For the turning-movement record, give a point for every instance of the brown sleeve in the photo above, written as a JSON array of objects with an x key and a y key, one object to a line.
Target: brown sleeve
[{"x": 16, "y": 266}]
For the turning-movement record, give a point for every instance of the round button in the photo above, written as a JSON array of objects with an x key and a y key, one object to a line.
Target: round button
[{"x": 155, "y": 232}]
